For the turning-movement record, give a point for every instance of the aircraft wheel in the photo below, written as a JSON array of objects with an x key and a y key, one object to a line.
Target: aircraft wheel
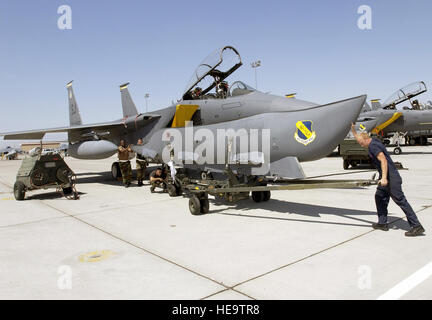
[
  {"x": 115, "y": 171},
  {"x": 19, "y": 190},
  {"x": 195, "y": 205},
  {"x": 266, "y": 195},
  {"x": 345, "y": 164},
  {"x": 397, "y": 151},
  {"x": 205, "y": 206},
  {"x": 257, "y": 196}
]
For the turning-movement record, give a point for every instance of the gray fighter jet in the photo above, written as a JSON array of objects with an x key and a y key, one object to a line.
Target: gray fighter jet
[
  {"x": 289, "y": 130},
  {"x": 9, "y": 153},
  {"x": 386, "y": 119}
]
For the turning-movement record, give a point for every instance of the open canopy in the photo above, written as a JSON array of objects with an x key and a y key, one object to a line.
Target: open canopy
[
  {"x": 212, "y": 71},
  {"x": 406, "y": 93}
]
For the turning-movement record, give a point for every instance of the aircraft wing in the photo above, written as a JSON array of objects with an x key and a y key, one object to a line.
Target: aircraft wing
[{"x": 74, "y": 130}]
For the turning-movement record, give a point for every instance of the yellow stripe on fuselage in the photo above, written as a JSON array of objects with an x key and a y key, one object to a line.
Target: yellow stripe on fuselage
[
  {"x": 384, "y": 125},
  {"x": 184, "y": 113}
]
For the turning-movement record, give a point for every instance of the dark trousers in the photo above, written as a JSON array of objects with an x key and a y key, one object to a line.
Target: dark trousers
[{"x": 394, "y": 190}]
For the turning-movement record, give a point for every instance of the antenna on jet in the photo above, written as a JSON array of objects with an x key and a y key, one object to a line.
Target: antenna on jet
[
  {"x": 69, "y": 84},
  {"x": 290, "y": 95}
]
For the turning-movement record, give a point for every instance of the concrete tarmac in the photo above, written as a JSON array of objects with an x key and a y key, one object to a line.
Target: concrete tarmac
[{"x": 118, "y": 243}]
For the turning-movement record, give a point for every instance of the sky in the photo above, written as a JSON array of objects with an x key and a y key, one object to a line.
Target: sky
[{"x": 314, "y": 48}]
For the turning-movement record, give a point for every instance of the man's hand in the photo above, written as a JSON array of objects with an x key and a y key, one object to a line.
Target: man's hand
[{"x": 383, "y": 182}]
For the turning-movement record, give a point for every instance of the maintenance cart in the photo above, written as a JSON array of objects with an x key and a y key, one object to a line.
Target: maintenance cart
[
  {"x": 354, "y": 154},
  {"x": 44, "y": 171},
  {"x": 259, "y": 188}
]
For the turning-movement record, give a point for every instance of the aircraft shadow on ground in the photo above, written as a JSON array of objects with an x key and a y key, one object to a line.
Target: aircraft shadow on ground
[
  {"x": 49, "y": 196},
  {"x": 309, "y": 210},
  {"x": 105, "y": 177}
]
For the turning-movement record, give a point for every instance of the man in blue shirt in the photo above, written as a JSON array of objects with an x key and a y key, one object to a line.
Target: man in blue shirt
[{"x": 389, "y": 186}]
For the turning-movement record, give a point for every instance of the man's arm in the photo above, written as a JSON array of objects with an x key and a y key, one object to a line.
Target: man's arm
[
  {"x": 354, "y": 131},
  {"x": 384, "y": 168}
]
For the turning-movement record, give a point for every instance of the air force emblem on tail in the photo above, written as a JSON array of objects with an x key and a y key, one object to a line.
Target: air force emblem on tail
[{"x": 304, "y": 132}]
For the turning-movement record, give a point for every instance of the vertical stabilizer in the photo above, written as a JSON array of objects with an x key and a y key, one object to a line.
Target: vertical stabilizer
[
  {"x": 376, "y": 104},
  {"x": 74, "y": 114},
  {"x": 129, "y": 108}
]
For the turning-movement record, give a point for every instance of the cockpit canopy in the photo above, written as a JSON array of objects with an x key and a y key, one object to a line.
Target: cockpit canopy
[
  {"x": 239, "y": 88},
  {"x": 212, "y": 72},
  {"x": 406, "y": 93}
]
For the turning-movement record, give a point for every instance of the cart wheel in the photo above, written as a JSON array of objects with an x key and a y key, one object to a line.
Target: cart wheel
[
  {"x": 172, "y": 190},
  {"x": 19, "y": 190},
  {"x": 205, "y": 175},
  {"x": 178, "y": 190},
  {"x": 397, "y": 151},
  {"x": 195, "y": 205},
  {"x": 67, "y": 191},
  {"x": 266, "y": 195},
  {"x": 345, "y": 164},
  {"x": 205, "y": 205},
  {"x": 257, "y": 196}
]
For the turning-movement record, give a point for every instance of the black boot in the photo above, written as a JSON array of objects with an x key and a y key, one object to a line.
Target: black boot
[
  {"x": 380, "y": 226},
  {"x": 415, "y": 231}
]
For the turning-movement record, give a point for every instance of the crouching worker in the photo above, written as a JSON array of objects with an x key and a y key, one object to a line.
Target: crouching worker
[
  {"x": 141, "y": 165},
  {"x": 389, "y": 186},
  {"x": 125, "y": 165},
  {"x": 157, "y": 179}
]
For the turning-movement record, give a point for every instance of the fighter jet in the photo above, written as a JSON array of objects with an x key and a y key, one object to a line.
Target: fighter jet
[
  {"x": 290, "y": 130},
  {"x": 9, "y": 153},
  {"x": 386, "y": 119}
]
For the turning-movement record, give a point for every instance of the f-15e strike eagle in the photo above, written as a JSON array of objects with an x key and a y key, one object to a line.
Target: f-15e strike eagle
[{"x": 289, "y": 130}]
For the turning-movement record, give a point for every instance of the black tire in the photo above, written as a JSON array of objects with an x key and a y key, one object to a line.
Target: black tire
[
  {"x": 257, "y": 196},
  {"x": 172, "y": 190},
  {"x": 76, "y": 196},
  {"x": 266, "y": 195},
  {"x": 205, "y": 206},
  {"x": 195, "y": 205},
  {"x": 19, "y": 191},
  {"x": 67, "y": 191},
  {"x": 397, "y": 151},
  {"x": 412, "y": 141},
  {"x": 345, "y": 164},
  {"x": 115, "y": 171}
]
